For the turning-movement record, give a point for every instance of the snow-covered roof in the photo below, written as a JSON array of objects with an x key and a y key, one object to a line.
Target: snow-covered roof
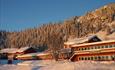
[
  {"x": 23, "y": 49},
  {"x": 9, "y": 50},
  {"x": 79, "y": 40},
  {"x": 86, "y": 44},
  {"x": 13, "y": 50}
]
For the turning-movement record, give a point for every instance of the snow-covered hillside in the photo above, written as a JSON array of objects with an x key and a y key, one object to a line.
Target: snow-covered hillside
[{"x": 60, "y": 65}]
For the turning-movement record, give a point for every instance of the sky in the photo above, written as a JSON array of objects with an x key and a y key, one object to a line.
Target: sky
[{"x": 16, "y": 15}]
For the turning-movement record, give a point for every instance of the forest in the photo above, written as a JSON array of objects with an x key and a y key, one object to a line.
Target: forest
[{"x": 53, "y": 35}]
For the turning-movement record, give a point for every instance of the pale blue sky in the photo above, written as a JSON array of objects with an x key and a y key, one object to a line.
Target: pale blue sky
[{"x": 21, "y": 14}]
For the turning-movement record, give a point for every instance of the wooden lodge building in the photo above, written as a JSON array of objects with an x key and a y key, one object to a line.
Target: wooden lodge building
[
  {"x": 91, "y": 48},
  {"x": 78, "y": 49},
  {"x": 64, "y": 54},
  {"x": 97, "y": 51},
  {"x": 13, "y": 52},
  {"x": 28, "y": 53},
  {"x": 88, "y": 39}
]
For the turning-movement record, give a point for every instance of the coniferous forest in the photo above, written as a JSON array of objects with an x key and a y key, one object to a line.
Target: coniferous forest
[{"x": 53, "y": 35}]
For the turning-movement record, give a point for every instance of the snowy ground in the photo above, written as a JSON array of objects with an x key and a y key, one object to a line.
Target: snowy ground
[{"x": 60, "y": 65}]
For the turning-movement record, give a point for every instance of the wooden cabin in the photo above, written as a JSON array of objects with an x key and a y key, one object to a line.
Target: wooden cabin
[
  {"x": 103, "y": 50},
  {"x": 17, "y": 51},
  {"x": 88, "y": 39}
]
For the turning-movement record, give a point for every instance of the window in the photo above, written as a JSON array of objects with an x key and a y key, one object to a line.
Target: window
[
  {"x": 95, "y": 47},
  {"x": 113, "y": 57},
  {"x": 88, "y": 58},
  {"x": 79, "y": 58},
  {"x": 92, "y": 47},
  {"x": 98, "y": 47},
  {"x": 102, "y": 57},
  {"x": 106, "y": 46},
  {"x": 95, "y": 57},
  {"x": 82, "y": 49},
  {"x": 82, "y": 58},
  {"x": 106, "y": 57},
  {"x": 91, "y": 58},
  {"x": 88, "y": 48},
  {"x": 79, "y": 49},
  {"x": 85, "y": 58},
  {"x": 99, "y": 58},
  {"x": 102, "y": 46},
  {"x": 110, "y": 46}
]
